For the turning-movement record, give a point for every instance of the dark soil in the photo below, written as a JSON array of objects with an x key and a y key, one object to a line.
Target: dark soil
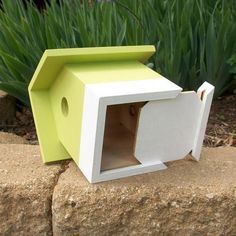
[
  {"x": 221, "y": 128},
  {"x": 22, "y": 125}
]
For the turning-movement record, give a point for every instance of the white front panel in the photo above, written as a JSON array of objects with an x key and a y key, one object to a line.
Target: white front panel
[{"x": 167, "y": 128}]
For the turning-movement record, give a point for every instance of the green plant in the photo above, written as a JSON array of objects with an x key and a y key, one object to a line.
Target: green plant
[
  {"x": 21, "y": 45},
  {"x": 232, "y": 63},
  {"x": 194, "y": 39},
  {"x": 218, "y": 46},
  {"x": 26, "y": 33}
]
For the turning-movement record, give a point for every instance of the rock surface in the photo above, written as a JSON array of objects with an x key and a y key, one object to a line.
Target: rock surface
[
  {"x": 188, "y": 198},
  {"x": 7, "y": 108},
  {"x": 9, "y": 138},
  {"x": 26, "y": 188}
]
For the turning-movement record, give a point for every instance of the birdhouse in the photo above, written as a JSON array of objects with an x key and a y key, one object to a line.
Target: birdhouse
[{"x": 114, "y": 116}]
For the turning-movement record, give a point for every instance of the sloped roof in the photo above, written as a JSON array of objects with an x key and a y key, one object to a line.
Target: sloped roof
[{"x": 54, "y": 59}]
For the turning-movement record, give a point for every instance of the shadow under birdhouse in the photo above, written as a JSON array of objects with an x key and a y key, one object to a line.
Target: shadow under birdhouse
[{"x": 120, "y": 136}]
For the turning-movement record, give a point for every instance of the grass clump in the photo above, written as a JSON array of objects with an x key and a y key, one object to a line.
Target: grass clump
[{"x": 195, "y": 40}]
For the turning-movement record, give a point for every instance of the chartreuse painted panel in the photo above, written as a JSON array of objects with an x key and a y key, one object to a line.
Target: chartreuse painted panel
[
  {"x": 57, "y": 91},
  {"x": 54, "y": 59},
  {"x": 67, "y": 97},
  {"x": 50, "y": 144},
  {"x": 114, "y": 71}
]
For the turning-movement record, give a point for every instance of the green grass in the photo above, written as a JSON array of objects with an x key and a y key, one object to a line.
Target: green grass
[{"x": 195, "y": 40}]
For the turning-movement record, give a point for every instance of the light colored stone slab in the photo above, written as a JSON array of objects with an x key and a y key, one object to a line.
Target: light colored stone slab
[
  {"x": 188, "y": 198},
  {"x": 26, "y": 187}
]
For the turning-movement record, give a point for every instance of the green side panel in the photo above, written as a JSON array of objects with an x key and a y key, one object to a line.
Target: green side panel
[
  {"x": 102, "y": 72},
  {"x": 67, "y": 99},
  {"x": 50, "y": 145}
]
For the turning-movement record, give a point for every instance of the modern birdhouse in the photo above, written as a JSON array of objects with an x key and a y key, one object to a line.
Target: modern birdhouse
[{"x": 114, "y": 116}]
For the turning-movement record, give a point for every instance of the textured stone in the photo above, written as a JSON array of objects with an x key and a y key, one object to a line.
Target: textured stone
[
  {"x": 9, "y": 138},
  {"x": 26, "y": 188},
  {"x": 188, "y": 198},
  {"x": 7, "y": 108}
]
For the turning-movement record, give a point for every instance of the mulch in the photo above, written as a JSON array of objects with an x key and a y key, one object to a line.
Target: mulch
[
  {"x": 221, "y": 128},
  {"x": 22, "y": 125}
]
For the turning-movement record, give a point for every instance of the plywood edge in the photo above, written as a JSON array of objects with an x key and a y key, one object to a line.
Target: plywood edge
[{"x": 116, "y": 50}]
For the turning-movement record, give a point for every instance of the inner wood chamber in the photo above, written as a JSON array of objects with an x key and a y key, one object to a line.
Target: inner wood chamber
[{"x": 119, "y": 136}]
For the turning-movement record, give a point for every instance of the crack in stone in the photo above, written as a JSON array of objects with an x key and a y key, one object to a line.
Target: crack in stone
[{"x": 64, "y": 167}]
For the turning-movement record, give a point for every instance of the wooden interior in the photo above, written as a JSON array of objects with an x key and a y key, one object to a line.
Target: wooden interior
[{"x": 119, "y": 136}]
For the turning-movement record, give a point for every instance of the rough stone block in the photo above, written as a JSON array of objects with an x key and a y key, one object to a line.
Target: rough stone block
[
  {"x": 26, "y": 188},
  {"x": 188, "y": 198},
  {"x": 7, "y": 108}
]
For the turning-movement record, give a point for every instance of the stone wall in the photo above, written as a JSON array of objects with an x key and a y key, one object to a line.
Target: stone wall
[{"x": 188, "y": 198}]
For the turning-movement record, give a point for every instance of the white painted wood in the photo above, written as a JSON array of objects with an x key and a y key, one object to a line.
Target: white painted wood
[
  {"x": 88, "y": 134},
  {"x": 171, "y": 125},
  {"x": 129, "y": 171},
  {"x": 134, "y": 91},
  {"x": 97, "y": 97},
  {"x": 205, "y": 93},
  {"x": 167, "y": 128}
]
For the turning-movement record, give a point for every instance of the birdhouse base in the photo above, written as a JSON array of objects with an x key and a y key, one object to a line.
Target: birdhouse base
[{"x": 129, "y": 171}]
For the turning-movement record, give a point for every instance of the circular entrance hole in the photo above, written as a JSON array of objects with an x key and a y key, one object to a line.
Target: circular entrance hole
[{"x": 64, "y": 106}]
